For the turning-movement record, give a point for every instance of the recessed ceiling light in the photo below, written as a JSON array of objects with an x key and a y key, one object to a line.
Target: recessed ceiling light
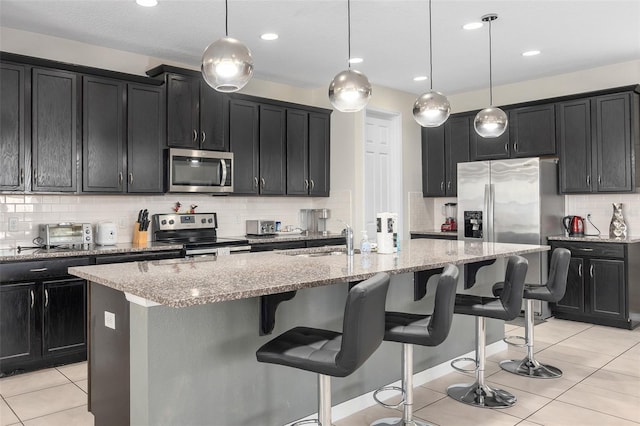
[
  {"x": 355, "y": 60},
  {"x": 472, "y": 26},
  {"x": 531, "y": 53},
  {"x": 420, "y": 78},
  {"x": 269, "y": 36},
  {"x": 147, "y": 3}
]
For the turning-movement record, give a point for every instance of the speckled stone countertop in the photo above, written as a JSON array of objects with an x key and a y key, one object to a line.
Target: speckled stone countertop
[
  {"x": 186, "y": 282},
  {"x": 12, "y": 255},
  {"x": 289, "y": 236},
  {"x": 434, "y": 232},
  {"x": 596, "y": 239}
]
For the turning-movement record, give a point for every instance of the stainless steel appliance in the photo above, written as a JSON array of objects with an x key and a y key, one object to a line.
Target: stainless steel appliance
[
  {"x": 321, "y": 217},
  {"x": 261, "y": 227},
  {"x": 66, "y": 234},
  {"x": 191, "y": 170},
  {"x": 197, "y": 232},
  {"x": 511, "y": 201}
]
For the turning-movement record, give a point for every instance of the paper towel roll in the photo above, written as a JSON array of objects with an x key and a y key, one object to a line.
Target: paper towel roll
[{"x": 387, "y": 232}]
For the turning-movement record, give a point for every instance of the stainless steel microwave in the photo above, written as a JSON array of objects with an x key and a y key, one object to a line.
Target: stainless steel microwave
[{"x": 191, "y": 170}]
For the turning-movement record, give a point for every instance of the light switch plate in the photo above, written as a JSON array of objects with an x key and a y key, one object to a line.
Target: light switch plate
[{"x": 110, "y": 320}]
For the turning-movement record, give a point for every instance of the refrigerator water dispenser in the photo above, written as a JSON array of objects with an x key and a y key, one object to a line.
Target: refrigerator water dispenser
[{"x": 473, "y": 224}]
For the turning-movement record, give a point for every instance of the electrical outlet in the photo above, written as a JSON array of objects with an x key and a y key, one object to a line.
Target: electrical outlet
[
  {"x": 13, "y": 224},
  {"x": 110, "y": 320}
]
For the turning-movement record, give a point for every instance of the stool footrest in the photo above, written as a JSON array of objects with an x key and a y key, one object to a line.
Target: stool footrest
[
  {"x": 389, "y": 388},
  {"x": 464, "y": 370},
  {"x": 511, "y": 340}
]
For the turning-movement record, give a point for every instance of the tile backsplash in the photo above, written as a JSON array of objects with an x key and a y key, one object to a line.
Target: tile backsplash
[{"x": 33, "y": 210}]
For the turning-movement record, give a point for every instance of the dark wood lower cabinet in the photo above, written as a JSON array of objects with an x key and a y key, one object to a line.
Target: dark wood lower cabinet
[
  {"x": 18, "y": 331},
  {"x": 603, "y": 284},
  {"x": 64, "y": 316}
]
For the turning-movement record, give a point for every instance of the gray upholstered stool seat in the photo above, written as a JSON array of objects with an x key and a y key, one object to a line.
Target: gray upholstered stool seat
[
  {"x": 330, "y": 353},
  {"x": 506, "y": 307},
  {"x": 552, "y": 292},
  {"x": 424, "y": 330}
]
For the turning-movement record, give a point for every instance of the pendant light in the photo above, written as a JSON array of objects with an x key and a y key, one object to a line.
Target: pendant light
[
  {"x": 227, "y": 65},
  {"x": 431, "y": 109},
  {"x": 349, "y": 90},
  {"x": 490, "y": 122}
]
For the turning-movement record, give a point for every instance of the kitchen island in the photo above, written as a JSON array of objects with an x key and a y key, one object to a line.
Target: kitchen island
[{"x": 181, "y": 350}]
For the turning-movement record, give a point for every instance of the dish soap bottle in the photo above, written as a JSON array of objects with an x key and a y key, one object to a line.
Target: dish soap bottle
[{"x": 365, "y": 245}]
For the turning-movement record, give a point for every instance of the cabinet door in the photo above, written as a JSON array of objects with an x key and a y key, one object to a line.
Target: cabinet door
[
  {"x": 64, "y": 316},
  {"x": 145, "y": 138},
  {"x": 614, "y": 164},
  {"x": 183, "y": 125},
  {"x": 212, "y": 114},
  {"x": 433, "y": 162},
  {"x": 103, "y": 135},
  {"x": 54, "y": 126},
  {"x": 607, "y": 286},
  {"x": 243, "y": 141},
  {"x": 272, "y": 150},
  {"x": 12, "y": 130},
  {"x": 488, "y": 148},
  {"x": 533, "y": 131},
  {"x": 573, "y": 127},
  {"x": 573, "y": 300},
  {"x": 456, "y": 150},
  {"x": 319, "y": 154},
  {"x": 298, "y": 157},
  {"x": 18, "y": 324}
]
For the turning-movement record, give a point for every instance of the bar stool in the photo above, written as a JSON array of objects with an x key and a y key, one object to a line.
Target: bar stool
[
  {"x": 330, "y": 353},
  {"x": 424, "y": 330},
  {"x": 552, "y": 292},
  {"x": 506, "y": 307}
]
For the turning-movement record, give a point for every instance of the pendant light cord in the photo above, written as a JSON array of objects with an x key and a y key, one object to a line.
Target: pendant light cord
[
  {"x": 430, "y": 50},
  {"x": 349, "y": 32},
  {"x": 490, "y": 70},
  {"x": 226, "y": 18}
]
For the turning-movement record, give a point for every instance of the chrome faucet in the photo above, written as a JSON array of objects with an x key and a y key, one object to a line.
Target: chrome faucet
[{"x": 349, "y": 238}]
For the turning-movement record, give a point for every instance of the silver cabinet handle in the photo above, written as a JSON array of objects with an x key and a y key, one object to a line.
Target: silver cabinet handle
[
  {"x": 313, "y": 184},
  {"x": 130, "y": 178},
  {"x": 599, "y": 181},
  {"x": 38, "y": 270},
  {"x": 515, "y": 146},
  {"x": 585, "y": 249},
  {"x": 262, "y": 183},
  {"x": 442, "y": 186},
  {"x": 580, "y": 270},
  {"x": 46, "y": 297},
  {"x": 449, "y": 185},
  {"x": 21, "y": 175},
  {"x": 120, "y": 179},
  {"x": 306, "y": 184},
  {"x": 195, "y": 135},
  {"x": 506, "y": 147},
  {"x": 588, "y": 180},
  {"x": 35, "y": 176},
  {"x": 33, "y": 299},
  {"x": 591, "y": 271},
  {"x": 204, "y": 137},
  {"x": 255, "y": 182}
]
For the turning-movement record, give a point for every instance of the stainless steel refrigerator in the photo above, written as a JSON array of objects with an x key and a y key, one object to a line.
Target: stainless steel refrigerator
[{"x": 511, "y": 201}]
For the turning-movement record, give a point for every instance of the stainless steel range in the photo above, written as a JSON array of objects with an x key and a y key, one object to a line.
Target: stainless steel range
[{"x": 197, "y": 232}]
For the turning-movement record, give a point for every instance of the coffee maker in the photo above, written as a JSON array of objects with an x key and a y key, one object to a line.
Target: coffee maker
[{"x": 450, "y": 211}]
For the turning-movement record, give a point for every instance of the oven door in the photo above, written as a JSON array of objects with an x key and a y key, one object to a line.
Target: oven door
[{"x": 199, "y": 171}]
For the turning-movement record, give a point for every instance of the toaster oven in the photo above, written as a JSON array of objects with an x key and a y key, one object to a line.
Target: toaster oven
[{"x": 66, "y": 234}]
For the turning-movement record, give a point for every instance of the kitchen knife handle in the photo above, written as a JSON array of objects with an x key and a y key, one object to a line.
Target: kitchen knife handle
[
  {"x": 255, "y": 181},
  {"x": 591, "y": 271},
  {"x": 46, "y": 297},
  {"x": 120, "y": 179},
  {"x": 306, "y": 184},
  {"x": 195, "y": 135},
  {"x": 21, "y": 175},
  {"x": 204, "y": 137},
  {"x": 580, "y": 270},
  {"x": 313, "y": 184},
  {"x": 33, "y": 299}
]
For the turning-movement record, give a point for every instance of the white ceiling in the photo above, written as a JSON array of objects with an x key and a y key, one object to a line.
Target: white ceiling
[{"x": 391, "y": 35}]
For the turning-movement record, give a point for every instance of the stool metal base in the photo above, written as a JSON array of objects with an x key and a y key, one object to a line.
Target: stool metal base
[
  {"x": 481, "y": 395},
  {"x": 530, "y": 368},
  {"x": 397, "y": 421}
]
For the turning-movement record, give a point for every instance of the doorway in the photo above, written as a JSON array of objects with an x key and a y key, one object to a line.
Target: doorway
[{"x": 382, "y": 168}]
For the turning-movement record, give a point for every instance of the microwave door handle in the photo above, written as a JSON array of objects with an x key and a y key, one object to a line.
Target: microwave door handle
[{"x": 224, "y": 171}]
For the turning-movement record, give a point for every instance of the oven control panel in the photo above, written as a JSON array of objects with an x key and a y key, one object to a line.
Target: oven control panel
[{"x": 177, "y": 221}]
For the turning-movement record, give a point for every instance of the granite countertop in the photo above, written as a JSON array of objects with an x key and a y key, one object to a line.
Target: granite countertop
[
  {"x": 12, "y": 255},
  {"x": 290, "y": 236},
  {"x": 596, "y": 238},
  {"x": 433, "y": 232},
  {"x": 187, "y": 282}
]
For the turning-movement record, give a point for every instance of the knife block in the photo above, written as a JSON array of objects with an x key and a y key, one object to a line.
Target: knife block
[{"x": 139, "y": 237}]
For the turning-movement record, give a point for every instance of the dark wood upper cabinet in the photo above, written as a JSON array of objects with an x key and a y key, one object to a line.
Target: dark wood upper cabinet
[
  {"x": 213, "y": 115},
  {"x": 573, "y": 127},
  {"x": 12, "y": 127},
  {"x": 297, "y": 152},
  {"x": 457, "y": 137},
  {"x": 532, "y": 131},
  {"x": 272, "y": 150},
  {"x": 319, "y": 153},
  {"x": 488, "y": 148},
  {"x": 244, "y": 143},
  {"x": 103, "y": 135},
  {"x": 145, "y": 138},
  {"x": 55, "y": 129}
]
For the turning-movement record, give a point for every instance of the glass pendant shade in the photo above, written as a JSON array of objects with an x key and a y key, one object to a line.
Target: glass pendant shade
[
  {"x": 490, "y": 122},
  {"x": 227, "y": 65},
  {"x": 431, "y": 109},
  {"x": 349, "y": 91}
]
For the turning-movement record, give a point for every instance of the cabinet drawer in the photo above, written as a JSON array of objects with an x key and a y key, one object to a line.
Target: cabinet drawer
[
  {"x": 592, "y": 249},
  {"x": 138, "y": 257},
  {"x": 39, "y": 269}
]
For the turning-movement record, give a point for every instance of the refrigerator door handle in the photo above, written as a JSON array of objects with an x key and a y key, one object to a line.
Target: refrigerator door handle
[{"x": 488, "y": 211}]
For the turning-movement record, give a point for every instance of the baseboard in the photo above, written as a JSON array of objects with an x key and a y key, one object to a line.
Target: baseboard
[{"x": 362, "y": 402}]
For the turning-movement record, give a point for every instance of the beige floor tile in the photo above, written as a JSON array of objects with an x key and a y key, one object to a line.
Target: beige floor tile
[
  {"x": 577, "y": 356},
  {"x": 75, "y": 372},
  {"x": 47, "y": 401},
  {"x": 618, "y": 332},
  {"x": 528, "y": 423},
  {"x": 29, "y": 382},
  {"x": 78, "y": 416},
  {"x": 442, "y": 383},
  {"x": 605, "y": 345},
  {"x": 449, "y": 412},
  {"x": 527, "y": 404},
  {"x": 614, "y": 382},
  {"x": 629, "y": 365},
  {"x": 561, "y": 414},
  {"x": 421, "y": 397},
  {"x": 367, "y": 416},
  {"x": 7, "y": 417},
  {"x": 611, "y": 403},
  {"x": 513, "y": 329},
  {"x": 83, "y": 384},
  {"x": 547, "y": 388},
  {"x": 634, "y": 351}
]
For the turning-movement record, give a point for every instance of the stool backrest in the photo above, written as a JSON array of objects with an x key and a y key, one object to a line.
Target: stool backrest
[
  {"x": 440, "y": 322},
  {"x": 558, "y": 270},
  {"x": 511, "y": 296},
  {"x": 363, "y": 323}
]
